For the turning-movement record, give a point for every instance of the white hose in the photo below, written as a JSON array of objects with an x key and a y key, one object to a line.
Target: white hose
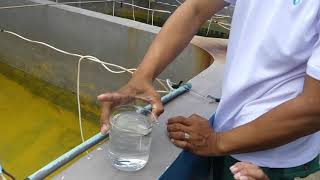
[
  {"x": 169, "y": 84},
  {"x": 149, "y": 6},
  {"x": 223, "y": 26},
  {"x": 164, "y": 3},
  {"x": 209, "y": 27},
  {"x": 133, "y": 16},
  {"x": 178, "y": 2}
]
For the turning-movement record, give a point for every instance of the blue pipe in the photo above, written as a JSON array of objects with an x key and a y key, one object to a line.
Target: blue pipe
[
  {"x": 67, "y": 157},
  {"x": 172, "y": 95}
]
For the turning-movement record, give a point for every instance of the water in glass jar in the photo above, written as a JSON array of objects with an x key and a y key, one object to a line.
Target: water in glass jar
[{"x": 130, "y": 139}]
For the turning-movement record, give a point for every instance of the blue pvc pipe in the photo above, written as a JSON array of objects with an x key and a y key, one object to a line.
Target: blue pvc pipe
[
  {"x": 67, "y": 157},
  {"x": 172, "y": 95}
]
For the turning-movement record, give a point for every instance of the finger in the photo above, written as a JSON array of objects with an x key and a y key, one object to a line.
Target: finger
[
  {"x": 179, "y": 119},
  {"x": 241, "y": 176},
  {"x": 192, "y": 139},
  {"x": 249, "y": 170},
  {"x": 116, "y": 98},
  {"x": 244, "y": 178},
  {"x": 246, "y": 165},
  {"x": 157, "y": 106},
  {"x": 181, "y": 144},
  {"x": 248, "y": 178},
  {"x": 177, "y": 127},
  {"x": 143, "y": 98},
  {"x": 104, "y": 117},
  {"x": 177, "y": 136},
  {"x": 236, "y": 167},
  {"x": 196, "y": 116},
  {"x": 255, "y": 173},
  {"x": 241, "y": 165},
  {"x": 108, "y": 96}
]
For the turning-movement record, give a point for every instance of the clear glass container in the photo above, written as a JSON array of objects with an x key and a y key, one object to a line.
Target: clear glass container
[{"x": 130, "y": 137}]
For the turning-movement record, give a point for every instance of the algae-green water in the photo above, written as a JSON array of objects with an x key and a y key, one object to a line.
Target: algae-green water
[{"x": 33, "y": 129}]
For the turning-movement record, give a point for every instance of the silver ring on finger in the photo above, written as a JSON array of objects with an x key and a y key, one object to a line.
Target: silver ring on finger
[{"x": 186, "y": 136}]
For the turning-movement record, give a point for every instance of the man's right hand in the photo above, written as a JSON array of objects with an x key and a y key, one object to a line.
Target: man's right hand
[{"x": 137, "y": 88}]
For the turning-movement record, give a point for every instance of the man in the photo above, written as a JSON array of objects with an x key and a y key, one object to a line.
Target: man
[{"x": 269, "y": 113}]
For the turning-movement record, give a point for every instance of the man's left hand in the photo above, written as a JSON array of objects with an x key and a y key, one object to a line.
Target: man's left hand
[{"x": 193, "y": 134}]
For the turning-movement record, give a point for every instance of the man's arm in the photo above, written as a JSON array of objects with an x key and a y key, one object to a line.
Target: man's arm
[
  {"x": 176, "y": 34},
  {"x": 289, "y": 121},
  {"x": 172, "y": 39}
]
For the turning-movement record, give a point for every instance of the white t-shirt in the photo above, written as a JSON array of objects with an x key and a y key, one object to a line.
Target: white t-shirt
[{"x": 273, "y": 44}]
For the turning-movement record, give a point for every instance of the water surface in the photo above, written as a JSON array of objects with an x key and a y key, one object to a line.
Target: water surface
[{"x": 34, "y": 131}]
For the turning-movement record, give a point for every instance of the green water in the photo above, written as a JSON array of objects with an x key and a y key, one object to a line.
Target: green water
[{"x": 33, "y": 129}]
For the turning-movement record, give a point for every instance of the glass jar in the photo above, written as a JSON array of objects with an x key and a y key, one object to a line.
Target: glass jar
[{"x": 130, "y": 137}]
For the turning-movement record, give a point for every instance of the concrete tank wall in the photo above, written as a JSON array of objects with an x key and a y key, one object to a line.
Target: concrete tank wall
[
  {"x": 141, "y": 15},
  {"x": 111, "y": 39}
]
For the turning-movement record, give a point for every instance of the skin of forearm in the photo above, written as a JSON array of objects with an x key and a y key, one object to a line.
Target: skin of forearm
[
  {"x": 287, "y": 122},
  {"x": 176, "y": 34}
]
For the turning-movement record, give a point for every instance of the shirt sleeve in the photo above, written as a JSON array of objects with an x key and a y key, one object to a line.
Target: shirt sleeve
[
  {"x": 313, "y": 66},
  {"x": 232, "y": 2}
]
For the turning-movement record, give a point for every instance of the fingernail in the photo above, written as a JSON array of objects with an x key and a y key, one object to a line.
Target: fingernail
[
  {"x": 244, "y": 178},
  {"x": 172, "y": 140},
  {"x": 104, "y": 129},
  {"x": 237, "y": 176},
  {"x": 233, "y": 169},
  {"x": 100, "y": 96}
]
